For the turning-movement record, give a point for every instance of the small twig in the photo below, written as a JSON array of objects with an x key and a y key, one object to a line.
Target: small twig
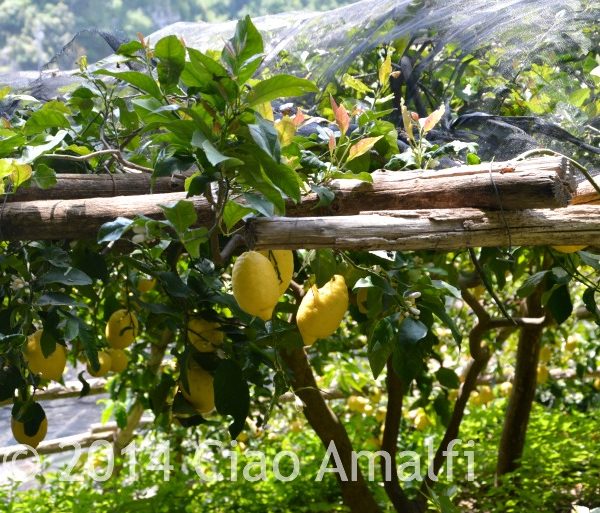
[
  {"x": 232, "y": 244},
  {"x": 487, "y": 284},
  {"x": 115, "y": 153}
]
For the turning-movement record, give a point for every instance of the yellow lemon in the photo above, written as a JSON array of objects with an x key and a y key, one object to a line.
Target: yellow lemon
[
  {"x": 119, "y": 360},
  {"x": 105, "y": 362},
  {"x": 204, "y": 335},
  {"x": 146, "y": 284},
  {"x": 506, "y": 388},
  {"x": 568, "y": 249},
  {"x": 283, "y": 263},
  {"x": 51, "y": 367},
  {"x": 542, "y": 374},
  {"x": 380, "y": 414},
  {"x": 201, "y": 390},
  {"x": 121, "y": 329},
  {"x": 255, "y": 284},
  {"x": 322, "y": 310},
  {"x": 421, "y": 420},
  {"x": 545, "y": 354},
  {"x": 485, "y": 394},
  {"x": 18, "y": 430},
  {"x": 357, "y": 404},
  {"x": 596, "y": 384},
  {"x": 361, "y": 300}
]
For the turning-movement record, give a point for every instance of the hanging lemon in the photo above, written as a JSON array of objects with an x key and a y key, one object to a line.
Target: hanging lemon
[
  {"x": 22, "y": 435},
  {"x": 322, "y": 310},
  {"x": 283, "y": 263},
  {"x": 121, "y": 329},
  {"x": 119, "y": 360},
  {"x": 204, "y": 335},
  {"x": 105, "y": 362},
  {"x": 50, "y": 367},
  {"x": 255, "y": 284},
  {"x": 201, "y": 390}
]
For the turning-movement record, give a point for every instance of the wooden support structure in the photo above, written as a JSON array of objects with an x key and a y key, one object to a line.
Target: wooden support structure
[
  {"x": 439, "y": 229},
  {"x": 536, "y": 183},
  {"x": 68, "y": 390},
  {"x": 76, "y": 186}
]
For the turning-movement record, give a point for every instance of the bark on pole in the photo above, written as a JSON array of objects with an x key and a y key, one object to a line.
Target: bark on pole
[
  {"x": 439, "y": 229},
  {"x": 543, "y": 183}
]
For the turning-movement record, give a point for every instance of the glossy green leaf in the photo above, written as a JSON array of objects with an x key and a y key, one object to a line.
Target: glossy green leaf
[{"x": 279, "y": 86}]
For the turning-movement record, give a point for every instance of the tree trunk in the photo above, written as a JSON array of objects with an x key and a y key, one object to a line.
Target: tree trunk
[
  {"x": 355, "y": 493},
  {"x": 512, "y": 441}
]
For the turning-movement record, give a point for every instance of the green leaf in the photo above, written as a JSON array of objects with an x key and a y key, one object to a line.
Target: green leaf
[
  {"x": 282, "y": 176},
  {"x": 265, "y": 136},
  {"x": 437, "y": 308},
  {"x": 356, "y": 84},
  {"x": 113, "y": 230},
  {"x": 589, "y": 300},
  {"x": 44, "y": 176},
  {"x": 192, "y": 239},
  {"x": 214, "y": 156},
  {"x": 411, "y": 331},
  {"x": 559, "y": 304},
  {"x": 233, "y": 213},
  {"x": 279, "y": 86},
  {"x": 349, "y": 175},
  {"x": 232, "y": 396},
  {"x": 531, "y": 283},
  {"x": 51, "y": 115},
  {"x": 33, "y": 152},
  {"x": 381, "y": 344},
  {"x": 130, "y": 48},
  {"x": 171, "y": 60},
  {"x": 58, "y": 299},
  {"x": 448, "y": 378},
  {"x": 325, "y": 195},
  {"x": 139, "y": 80},
  {"x": 181, "y": 215},
  {"x": 243, "y": 52},
  {"x": 259, "y": 203},
  {"x": 71, "y": 277},
  {"x": 10, "y": 380},
  {"x": 87, "y": 337},
  {"x": 173, "y": 285},
  {"x": 10, "y": 145}
]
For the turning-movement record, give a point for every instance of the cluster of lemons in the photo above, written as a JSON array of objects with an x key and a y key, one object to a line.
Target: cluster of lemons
[
  {"x": 259, "y": 279},
  {"x": 121, "y": 330}
]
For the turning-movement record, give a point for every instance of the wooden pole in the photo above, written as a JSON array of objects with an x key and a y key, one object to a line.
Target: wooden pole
[
  {"x": 442, "y": 229},
  {"x": 539, "y": 183},
  {"x": 74, "y": 186}
]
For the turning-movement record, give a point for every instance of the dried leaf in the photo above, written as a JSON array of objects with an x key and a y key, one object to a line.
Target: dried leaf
[
  {"x": 341, "y": 116},
  {"x": 407, "y": 121}
]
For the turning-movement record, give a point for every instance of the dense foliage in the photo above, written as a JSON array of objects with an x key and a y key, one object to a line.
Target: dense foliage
[{"x": 206, "y": 115}]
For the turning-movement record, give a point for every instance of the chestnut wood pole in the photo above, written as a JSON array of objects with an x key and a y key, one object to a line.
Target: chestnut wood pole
[
  {"x": 543, "y": 183},
  {"x": 440, "y": 229}
]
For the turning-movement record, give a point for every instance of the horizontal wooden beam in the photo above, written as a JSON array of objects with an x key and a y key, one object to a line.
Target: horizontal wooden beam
[
  {"x": 440, "y": 229},
  {"x": 77, "y": 186},
  {"x": 536, "y": 183}
]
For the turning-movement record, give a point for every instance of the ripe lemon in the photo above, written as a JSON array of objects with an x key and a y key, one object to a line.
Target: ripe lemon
[
  {"x": 506, "y": 388},
  {"x": 119, "y": 360},
  {"x": 146, "y": 284},
  {"x": 421, "y": 420},
  {"x": 568, "y": 249},
  {"x": 283, "y": 263},
  {"x": 201, "y": 391},
  {"x": 18, "y": 431},
  {"x": 105, "y": 362},
  {"x": 361, "y": 300},
  {"x": 121, "y": 329},
  {"x": 485, "y": 394},
  {"x": 51, "y": 367},
  {"x": 322, "y": 310},
  {"x": 542, "y": 374},
  {"x": 357, "y": 403},
  {"x": 255, "y": 284},
  {"x": 204, "y": 335},
  {"x": 545, "y": 354}
]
